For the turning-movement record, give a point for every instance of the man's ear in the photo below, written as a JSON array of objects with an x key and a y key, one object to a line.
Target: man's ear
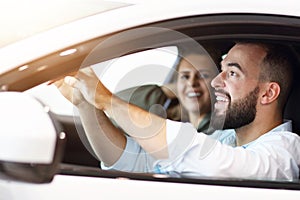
[{"x": 271, "y": 92}]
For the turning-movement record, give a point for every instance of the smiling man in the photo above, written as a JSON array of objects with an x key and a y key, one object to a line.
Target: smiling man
[{"x": 251, "y": 91}]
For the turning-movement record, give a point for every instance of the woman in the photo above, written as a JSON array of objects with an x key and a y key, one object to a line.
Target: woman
[{"x": 186, "y": 98}]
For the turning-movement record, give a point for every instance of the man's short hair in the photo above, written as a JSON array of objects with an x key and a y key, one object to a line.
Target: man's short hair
[{"x": 277, "y": 66}]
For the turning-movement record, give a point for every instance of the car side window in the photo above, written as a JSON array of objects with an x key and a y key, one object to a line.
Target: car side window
[{"x": 152, "y": 67}]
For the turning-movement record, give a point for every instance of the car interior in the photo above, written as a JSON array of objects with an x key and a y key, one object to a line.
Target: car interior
[{"x": 73, "y": 126}]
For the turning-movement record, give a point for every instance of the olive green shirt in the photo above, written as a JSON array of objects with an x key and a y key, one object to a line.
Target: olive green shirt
[{"x": 153, "y": 99}]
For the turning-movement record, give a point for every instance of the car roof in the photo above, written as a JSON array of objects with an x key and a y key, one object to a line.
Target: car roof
[{"x": 31, "y": 17}]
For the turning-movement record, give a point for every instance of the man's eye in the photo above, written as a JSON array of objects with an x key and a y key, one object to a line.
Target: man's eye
[{"x": 232, "y": 73}]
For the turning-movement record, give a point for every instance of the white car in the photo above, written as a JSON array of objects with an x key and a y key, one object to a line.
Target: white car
[{"x": 44, "y": 153}]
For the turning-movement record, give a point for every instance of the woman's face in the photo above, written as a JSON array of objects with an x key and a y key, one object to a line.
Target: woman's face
[{"x": 193, "y": 83}]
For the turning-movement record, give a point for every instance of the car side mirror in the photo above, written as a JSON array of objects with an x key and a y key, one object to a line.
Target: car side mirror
[{"x": 31, "y": 141}]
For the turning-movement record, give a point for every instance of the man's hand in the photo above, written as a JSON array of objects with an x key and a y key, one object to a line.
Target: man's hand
[
  {"x": 90, "y": 87},
  {"x": 70, "y": 93}
]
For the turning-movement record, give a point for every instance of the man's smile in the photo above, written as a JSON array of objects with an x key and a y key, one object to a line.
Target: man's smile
[{"x": 222, "y": 100}]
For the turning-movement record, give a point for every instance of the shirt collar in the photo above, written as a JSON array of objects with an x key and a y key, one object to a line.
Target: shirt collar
[
  {"x": 229, "y": 136},
  {"x": 286, "y": 126}
]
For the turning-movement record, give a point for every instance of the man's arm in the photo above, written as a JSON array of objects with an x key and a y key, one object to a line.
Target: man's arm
[
  {"x": 146, "y": 128},
  {"x": 107, "y": 141}
]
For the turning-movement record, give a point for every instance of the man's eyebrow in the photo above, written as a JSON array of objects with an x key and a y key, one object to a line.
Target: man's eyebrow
[
  {"x": 235, "y": 65},
  {"x": 231, "y": 64}
]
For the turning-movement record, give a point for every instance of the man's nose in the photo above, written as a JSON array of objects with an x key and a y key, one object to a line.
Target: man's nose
[{"x": 218, "y": 81}]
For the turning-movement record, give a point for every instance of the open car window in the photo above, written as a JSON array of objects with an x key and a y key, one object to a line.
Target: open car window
[{"x": 133, "y": 70}]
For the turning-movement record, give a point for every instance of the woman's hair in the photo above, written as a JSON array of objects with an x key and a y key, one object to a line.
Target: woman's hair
[{"x": 206, "y": 50}]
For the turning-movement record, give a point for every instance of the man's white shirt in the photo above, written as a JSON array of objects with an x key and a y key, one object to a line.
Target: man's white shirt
[{"x": 274, "y": 155}]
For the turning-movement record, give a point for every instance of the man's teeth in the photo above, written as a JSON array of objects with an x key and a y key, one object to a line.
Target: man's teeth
[
  {"x": 194, "y": 94},
  {"x": 222, "y": 99}
]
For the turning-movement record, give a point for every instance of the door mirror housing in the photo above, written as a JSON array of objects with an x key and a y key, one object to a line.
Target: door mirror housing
[{"x": 31, "y": 141}]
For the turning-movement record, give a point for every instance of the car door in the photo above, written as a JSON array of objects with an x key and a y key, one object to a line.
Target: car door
[{"x": 78, "y": 177}]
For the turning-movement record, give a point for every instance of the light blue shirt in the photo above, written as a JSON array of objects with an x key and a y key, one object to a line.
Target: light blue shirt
[{"x": 274, "y": 155}]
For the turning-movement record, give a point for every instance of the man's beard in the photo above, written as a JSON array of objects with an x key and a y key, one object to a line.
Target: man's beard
[{"x": 238, "y": 114}]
